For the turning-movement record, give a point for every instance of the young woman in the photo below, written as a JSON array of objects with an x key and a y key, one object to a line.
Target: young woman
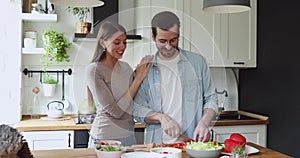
[{"x": 113, "y": 84}]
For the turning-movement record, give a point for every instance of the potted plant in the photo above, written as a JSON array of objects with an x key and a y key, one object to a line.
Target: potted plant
[
  {"x": 82, "y": 26},
  {"x": 55, "y": 46},
  {"x": 49, "y": 85}
]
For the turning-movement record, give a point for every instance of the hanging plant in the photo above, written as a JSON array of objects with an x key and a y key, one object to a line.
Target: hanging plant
[{"x": 55, "y": 46}]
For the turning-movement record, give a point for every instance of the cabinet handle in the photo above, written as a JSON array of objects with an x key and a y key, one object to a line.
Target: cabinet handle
[
  {"x": 69, "y": 141},
  {"x": 239, "y": 63},
  {"x": 212, "y": 135}
]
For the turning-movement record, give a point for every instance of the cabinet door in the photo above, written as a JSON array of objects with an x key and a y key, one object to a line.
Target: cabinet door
[
  {"x": 201, "y": 32},
  {"x": 238, "y": 33},
  {"x": 46, "y": 140},
  {"x": 253, "y": 133},
  {"x": 144, "y": 12}
]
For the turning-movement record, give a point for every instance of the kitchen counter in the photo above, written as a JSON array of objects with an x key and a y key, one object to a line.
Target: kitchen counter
[
  {"x": 27, "y": 124},
  {"x": 255, "y": 119},
  {"x": 90, "y": 153}
]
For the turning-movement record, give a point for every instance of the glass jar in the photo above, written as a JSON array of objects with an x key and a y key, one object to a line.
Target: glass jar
[{"x": 35, "y": 109}]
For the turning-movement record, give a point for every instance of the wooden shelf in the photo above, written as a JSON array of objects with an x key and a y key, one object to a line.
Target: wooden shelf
[
  {"x": 33, "y": 51},
  {"x": 28, "y": 17}
]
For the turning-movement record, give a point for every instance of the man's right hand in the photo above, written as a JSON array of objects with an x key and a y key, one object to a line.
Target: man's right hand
[{"x": 170, "y": 126}]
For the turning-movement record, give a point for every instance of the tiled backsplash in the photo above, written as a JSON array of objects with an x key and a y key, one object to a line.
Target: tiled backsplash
[{"x": 73, "y": 88}]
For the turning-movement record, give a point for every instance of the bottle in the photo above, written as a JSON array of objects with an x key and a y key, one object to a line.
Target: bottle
[{"x": 35, "y": 104}]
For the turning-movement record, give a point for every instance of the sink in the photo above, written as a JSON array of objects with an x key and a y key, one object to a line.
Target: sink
[{"x": 234, "y": 115}]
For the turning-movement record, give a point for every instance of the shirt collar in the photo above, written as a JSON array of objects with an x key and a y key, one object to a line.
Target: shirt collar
[{"x": 181, "y": 57}]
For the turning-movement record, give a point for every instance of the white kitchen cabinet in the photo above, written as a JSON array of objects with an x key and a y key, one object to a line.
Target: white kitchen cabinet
[
  {"x": 202, "y": 32},
  {"x": 144, "y": 12},
  {"x": 238, "y": 36},
  {"x": 225, "y": 40},
  {"x": 46, "y": 140},
  {"x": 253, "y": 133}
]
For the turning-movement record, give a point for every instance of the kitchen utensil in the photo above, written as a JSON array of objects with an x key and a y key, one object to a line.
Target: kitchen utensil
[
  {"x": 186, "y": 139},
  {"x": 55, "y": 110}
]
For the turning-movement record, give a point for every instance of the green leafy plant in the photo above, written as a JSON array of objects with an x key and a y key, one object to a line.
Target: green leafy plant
[
  {"x": 81, "y": 12},
  {"x": 55, "y": 46},
  {"x": 49, "y": 80}
]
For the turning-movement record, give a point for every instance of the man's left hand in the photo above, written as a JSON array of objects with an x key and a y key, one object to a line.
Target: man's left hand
[{"x": 201, "y": 133}]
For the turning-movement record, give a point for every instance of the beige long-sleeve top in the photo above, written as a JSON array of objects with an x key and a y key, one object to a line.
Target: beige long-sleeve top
[{"x": 114, "y": 112}]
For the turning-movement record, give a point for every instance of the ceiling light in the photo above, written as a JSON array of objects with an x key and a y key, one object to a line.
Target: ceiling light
[
  {"x": 226, "y": 6},
  {"x": 78, "y": 3}
]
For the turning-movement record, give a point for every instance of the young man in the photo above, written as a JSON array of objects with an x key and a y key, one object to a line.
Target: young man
[{"x": 177, "y": 96}]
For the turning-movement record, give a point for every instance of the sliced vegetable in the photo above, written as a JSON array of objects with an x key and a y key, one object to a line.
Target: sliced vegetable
[
  {"x": 109, "y": 148},
  {"x": 204, "y": 145}
]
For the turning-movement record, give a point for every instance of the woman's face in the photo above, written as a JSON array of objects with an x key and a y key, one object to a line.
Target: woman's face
[{"x": 115, "y": 45}]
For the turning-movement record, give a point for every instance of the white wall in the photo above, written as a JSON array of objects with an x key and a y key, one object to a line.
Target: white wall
[{"x": 10, "y": 59}]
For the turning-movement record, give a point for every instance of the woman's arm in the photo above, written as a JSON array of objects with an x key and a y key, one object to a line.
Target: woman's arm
[{"x": 140, "y": 73}]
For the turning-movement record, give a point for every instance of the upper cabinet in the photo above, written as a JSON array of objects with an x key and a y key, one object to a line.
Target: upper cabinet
[
  {"x": 238, "y": 34},
  {"x": 225, "y": 40}
]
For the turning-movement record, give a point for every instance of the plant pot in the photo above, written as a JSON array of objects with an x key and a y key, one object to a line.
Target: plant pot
[
  {"x": 49, "y": 89},
  {"x": 83, "y": 27}
]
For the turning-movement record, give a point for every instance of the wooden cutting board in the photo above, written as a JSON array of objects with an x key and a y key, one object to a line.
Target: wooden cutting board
[{"x": 56, "y": 119}]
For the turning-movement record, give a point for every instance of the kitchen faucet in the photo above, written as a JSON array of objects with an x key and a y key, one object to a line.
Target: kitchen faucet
[{"x": 221, "y": 108}]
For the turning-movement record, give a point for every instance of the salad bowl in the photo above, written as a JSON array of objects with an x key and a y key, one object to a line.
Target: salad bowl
[
  {"x": 108, "y": 151},
  {"x": 203, "y": 149}
]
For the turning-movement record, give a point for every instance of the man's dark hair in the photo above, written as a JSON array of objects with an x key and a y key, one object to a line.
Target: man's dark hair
[{"x": 164, "y": 20}]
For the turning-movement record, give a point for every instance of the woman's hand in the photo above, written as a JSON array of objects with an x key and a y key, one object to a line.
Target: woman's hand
[{"x": 143, "y": 67}]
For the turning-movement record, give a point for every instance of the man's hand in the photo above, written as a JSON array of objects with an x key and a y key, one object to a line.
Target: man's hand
[
  {"x": 201, "y": 132},
  {"x": 170, "y": 126}
]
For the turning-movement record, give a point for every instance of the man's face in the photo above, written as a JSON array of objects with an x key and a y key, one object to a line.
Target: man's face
[{"x": 167, "y": 42}]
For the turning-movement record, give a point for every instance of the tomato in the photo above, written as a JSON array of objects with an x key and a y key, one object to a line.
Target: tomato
[
  {"x": 215, "y": 142},
  {"x": 229, "y": 145},
  {"x": 175, "y": 145},
  {"x": 238, "y": 138}
]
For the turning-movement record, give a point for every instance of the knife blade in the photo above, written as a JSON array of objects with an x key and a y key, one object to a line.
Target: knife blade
[{"x": 186, "y": 139}]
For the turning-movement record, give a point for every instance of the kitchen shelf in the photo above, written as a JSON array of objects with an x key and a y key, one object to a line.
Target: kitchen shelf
[
  {"x": 28, "y": 17},
  {"x": 80, "y": 37},
  {"x": 33, "y": 51}
]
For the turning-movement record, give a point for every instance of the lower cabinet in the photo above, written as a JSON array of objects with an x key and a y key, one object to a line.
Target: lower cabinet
[
  {"x": 254, "y": 133},
  {"x": 47, "y": 140},
  {"x": 81, "y": 138}
]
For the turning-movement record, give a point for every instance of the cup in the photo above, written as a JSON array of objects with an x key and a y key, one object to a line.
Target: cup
[{"x": 29, "y": 43}]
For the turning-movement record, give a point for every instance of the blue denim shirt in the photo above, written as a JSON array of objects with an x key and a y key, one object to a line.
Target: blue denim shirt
[{"x": 198, "y": 93}]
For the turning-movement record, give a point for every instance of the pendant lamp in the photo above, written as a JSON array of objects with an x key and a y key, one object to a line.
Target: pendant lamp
[
  {"x": 78, "y": 3},
  {"x": 226, "y": 6}
]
